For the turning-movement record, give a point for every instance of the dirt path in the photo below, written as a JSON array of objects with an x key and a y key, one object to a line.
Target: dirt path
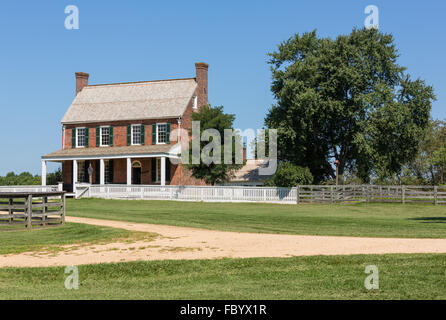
[{"x": 191, "y": 243}]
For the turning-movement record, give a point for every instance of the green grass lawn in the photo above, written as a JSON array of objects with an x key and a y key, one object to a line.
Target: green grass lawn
[
  {"x": 52, "y": 238},
  {"x": 366, "y": 220},
  {"x": 319, "y": 277}
]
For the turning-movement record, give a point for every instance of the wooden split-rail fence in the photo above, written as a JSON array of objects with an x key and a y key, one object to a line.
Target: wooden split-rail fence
[
  {"x": 372, "y": 193},
  {"x": 299, "y": 194},
  {"x": 32, "y": 208}
]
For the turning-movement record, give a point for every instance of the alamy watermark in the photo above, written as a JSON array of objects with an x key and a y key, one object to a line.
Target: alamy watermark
[
  {"x": 220, "y": 149},
  {"x": 371, "y": 282},
  {"x": 72, "y": 280},
  {"x": 72, "y": 20},
  {"x": 372, "y": 20}
]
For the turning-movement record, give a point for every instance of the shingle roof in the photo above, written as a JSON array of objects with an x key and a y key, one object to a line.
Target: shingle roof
[
  {"x": 131, "y": 101},
  {"x": 110, "y": 151}
]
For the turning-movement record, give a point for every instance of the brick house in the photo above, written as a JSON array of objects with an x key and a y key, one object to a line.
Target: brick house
[{"x": 121, "y": 132}]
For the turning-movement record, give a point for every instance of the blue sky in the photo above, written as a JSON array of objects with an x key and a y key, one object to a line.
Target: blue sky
[{"x": 120, "y": 41}]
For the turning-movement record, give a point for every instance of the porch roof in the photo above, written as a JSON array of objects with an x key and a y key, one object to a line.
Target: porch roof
[
  {"x": 112, "y": 152},
  {"x": 250, "y": 171}
]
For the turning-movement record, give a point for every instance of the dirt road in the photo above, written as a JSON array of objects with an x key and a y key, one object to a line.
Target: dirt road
[{"x": 191, "y": 243}]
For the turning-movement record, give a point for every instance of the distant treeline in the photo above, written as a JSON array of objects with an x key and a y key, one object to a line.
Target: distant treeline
[{"x": 27, "y": 179}]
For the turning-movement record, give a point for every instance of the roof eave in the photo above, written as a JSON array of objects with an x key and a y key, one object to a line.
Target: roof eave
[{"x": 114, "y": 120}]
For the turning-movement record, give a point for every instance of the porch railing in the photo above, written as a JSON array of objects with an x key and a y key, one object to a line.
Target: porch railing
[
  {"x": 193, "y": 193},
  {"x": 299, "y": 194}
]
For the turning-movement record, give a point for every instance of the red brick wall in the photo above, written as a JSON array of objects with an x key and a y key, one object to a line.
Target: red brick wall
[
  {"x": 67, "y": 169},
  {"x": 119, "y": 131}
]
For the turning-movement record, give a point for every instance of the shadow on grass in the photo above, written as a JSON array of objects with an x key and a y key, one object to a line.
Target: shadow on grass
[{"x": 430, "y": 219}]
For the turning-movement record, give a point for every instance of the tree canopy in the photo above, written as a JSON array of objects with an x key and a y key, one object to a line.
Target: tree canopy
[
  {"x": 289, "y": 175},
  {"x": 27, "y": 179},
  {"x": 214, "y": 118},
  {"x": 346, "y": 99}
]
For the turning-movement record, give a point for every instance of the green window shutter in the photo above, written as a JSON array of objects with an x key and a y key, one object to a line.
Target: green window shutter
[
  {"x": 167, "y": 169},
  {"x": 87, "y": 137},
  {"x": 153, "y": 170},
  {"x": 168, "y": 133},
  {"x": 98, "y": 137},
  {"x": 143, "y": 134},
  {"x": 154, "y": 133},
  {"x": 110, "y": 139},
  {"x": 129, "y": 135},
  {"x": 73, "y": 138}
]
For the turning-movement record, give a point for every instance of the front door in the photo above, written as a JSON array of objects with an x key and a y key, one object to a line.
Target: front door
[{"x": 136, "y": 175}]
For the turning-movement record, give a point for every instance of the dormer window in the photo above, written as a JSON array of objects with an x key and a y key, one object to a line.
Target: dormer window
[
  {"x": 195, "y": 106},
  {"x": 81, "y": 137}
]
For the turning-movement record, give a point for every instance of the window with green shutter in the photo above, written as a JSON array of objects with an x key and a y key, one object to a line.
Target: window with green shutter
[
  {"x": 143, "y": 134},
  {"x": 168, "y": 133},
  {"x": 129, "y": 135},
  {"x": 154, "y": 133},
  {"x": 87, "y": 137},
  {"x": 111, "y": 137},
  {"x": 98, "y": 136},
  {"x": 73, "y": 138}
]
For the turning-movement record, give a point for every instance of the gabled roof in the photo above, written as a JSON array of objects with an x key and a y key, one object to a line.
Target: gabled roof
[{"x": 131, "y": 101}]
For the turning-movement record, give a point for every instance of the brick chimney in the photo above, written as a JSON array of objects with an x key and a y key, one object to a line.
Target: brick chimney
[
  {"x": 201, "y": 75},
  {"x": 81, "y": 81}
]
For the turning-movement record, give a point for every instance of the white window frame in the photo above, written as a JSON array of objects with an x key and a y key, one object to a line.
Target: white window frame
[
  {"x": 77, "y": 137},
  {"x": 157, "y": 132},
  {"x": 140, "y": 132},
  {"x": 100, "y": 136},
  {"x": 195, "y": 103}
]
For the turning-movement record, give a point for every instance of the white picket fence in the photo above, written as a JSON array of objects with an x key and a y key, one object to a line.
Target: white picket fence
[
  {"x": 299, "y": 194},
  {"x": 190, "y": 193}
]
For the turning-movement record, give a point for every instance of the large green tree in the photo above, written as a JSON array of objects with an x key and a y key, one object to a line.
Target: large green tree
[
  {"x": 429, "y": 166},
  {"x": 346, "y": 99},
  {"x": 214, "y": 118}
]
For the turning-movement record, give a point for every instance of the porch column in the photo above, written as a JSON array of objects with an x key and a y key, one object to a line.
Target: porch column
[
  {"x": 74, "y": 174},
  {"x": 43, "y": 173},
  {"x": 102, "y": 172},
  {"x": 163, "y": 171},
  {"x": 129, "y": 171}
]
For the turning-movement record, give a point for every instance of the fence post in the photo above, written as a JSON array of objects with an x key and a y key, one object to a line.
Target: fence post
[
  {"x": 44, "y": 202},
  {"x": 367, "y": 194},
  {"x": 331, "y": 194},
  {"x": 29, "y": 207},
  {"x": 403, "y": 194},
  {"x": 297, "y": 195},
  {"x": 63, "y": 200},
  {"x": 10, "y": 210},
  {"x": 435, "y": 195}
]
